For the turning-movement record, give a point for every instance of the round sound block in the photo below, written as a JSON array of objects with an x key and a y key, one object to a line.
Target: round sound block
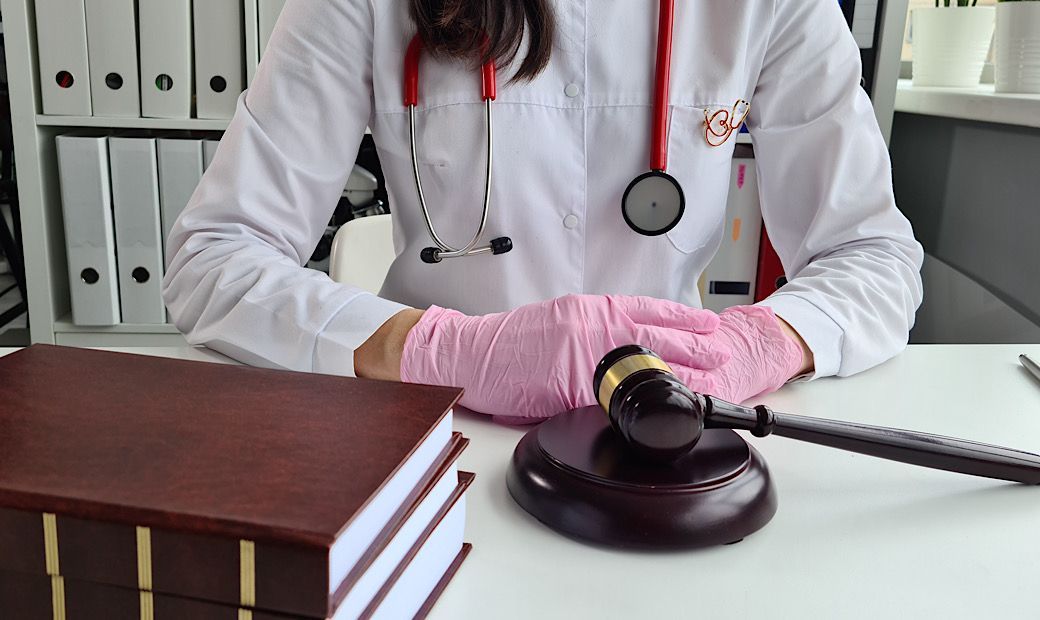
[{"x": 575, "y": 474}]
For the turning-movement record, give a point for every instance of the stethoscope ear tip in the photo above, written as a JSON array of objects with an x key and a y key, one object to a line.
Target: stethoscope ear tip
[
  {"x": 430, "y": 256},
  {"x": 501, "y": 245}
]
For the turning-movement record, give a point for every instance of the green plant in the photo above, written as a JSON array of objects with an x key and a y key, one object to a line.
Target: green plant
[{"x": 958, "y": 2}]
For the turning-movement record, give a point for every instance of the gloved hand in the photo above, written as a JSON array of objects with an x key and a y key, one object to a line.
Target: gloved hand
[
  {"x": 538, "y": 360},
  {"x": 763, "y": 359}
]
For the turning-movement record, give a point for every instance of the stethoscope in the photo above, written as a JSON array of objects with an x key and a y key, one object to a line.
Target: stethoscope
[
  {"x": 652, "y": 204},
  {"x": 432, "y": 255}
]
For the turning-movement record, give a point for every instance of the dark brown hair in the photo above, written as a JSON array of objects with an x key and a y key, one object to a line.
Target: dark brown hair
[{"x": 457, "y": 29}]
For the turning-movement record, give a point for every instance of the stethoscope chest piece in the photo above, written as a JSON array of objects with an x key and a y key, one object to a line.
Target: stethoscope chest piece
[{"x": 653, "y": 204}]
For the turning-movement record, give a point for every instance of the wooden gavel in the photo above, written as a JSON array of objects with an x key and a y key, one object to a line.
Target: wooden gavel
[{"x": 662, "y": 420}]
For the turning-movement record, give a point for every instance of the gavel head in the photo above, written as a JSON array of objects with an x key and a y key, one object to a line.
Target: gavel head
[{"x": 654, "y": 413}]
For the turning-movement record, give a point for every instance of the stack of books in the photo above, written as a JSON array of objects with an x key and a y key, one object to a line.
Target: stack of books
[{"x": 139, "y": 487}]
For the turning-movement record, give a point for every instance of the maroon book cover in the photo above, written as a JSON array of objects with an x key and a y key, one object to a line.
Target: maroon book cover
[
  {"x": 431, "y": 600},
  {"x": 39, "y": 597},
  {"x": 210, "y": 468},
  {"x": 31, "y": 596}
]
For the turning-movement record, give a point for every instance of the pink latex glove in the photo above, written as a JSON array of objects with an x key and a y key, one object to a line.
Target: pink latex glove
[
  {"x": 764, "y": 357},
  {"x": 538, "y": 360}
]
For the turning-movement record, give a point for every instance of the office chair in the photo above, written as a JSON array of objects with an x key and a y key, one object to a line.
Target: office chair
[{"x": 362, "y": 252}]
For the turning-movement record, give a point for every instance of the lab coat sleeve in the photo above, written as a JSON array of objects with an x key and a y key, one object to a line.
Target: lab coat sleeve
[
  {"x": 235, "y": 280},
  {"x": 826, "y": 193}
]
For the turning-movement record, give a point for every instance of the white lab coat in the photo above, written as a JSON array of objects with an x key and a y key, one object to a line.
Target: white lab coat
[{"x": 567, "y": 145}]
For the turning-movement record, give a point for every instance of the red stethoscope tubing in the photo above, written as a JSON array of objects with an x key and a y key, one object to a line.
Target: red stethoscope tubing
[
  {"x": 488, "y": 84},
  {"x": 488, "y": 88},
  {"x": 662, "y": 81}
]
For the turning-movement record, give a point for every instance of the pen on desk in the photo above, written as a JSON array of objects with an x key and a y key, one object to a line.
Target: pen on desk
[{"x": 1030, "y": 365}]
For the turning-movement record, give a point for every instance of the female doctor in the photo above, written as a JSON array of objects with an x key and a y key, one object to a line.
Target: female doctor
[{"x": 587, "y": 97}]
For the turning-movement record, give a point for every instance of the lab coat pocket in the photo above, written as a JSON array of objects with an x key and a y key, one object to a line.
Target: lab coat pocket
[
  {"x": 703, "y": 171},
  {"x": 451, "y": 149},
  {"x": 452, "y": 135}
]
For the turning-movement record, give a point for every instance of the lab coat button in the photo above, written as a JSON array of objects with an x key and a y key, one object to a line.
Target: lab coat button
[
  {"x": 570, "y": 221},
  {"x": 571, "y": 90}
]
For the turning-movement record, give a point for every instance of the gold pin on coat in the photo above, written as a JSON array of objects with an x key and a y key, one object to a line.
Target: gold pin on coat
[{"x": 720, "y": 124}]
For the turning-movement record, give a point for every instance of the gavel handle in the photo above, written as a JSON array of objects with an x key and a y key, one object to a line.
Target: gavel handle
[{"x": 923, "y": 449}]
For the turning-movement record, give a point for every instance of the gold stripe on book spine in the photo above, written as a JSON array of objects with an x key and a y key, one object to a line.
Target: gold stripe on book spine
[
  {"x": 247, "y": 572},
  {"x": 58, "y": 597},
  {"x": 245, "y": 614},
  {"x": 50, "y": 543},
  {"x": 147, "y": 606},
  {"x": 144, "y": 560}
]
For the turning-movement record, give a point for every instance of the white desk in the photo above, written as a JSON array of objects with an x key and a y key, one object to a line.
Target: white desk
[{"x": 854, "y": 537}]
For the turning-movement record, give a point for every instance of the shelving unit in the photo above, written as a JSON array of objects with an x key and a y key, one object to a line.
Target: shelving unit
[
  {"x": 980, "y": 103},
  {"x": 42, "y": 223},
  {"x": 191, "y": 124},
  {"x": 123, "y": 335},
  {"x": 892, "y": 29}
]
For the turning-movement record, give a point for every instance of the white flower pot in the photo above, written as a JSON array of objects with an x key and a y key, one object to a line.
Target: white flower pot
[
  {"x": 950, "y": 44},
  {"x": 1016, "y": 54}
]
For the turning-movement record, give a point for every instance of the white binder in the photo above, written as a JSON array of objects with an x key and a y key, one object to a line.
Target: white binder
[
  {"x": 209, "y": 151},
  {"x": 180, "y": 170},
  {"x": 166, "y": 58},
  {"x": 219, "y": 57},
  {"x": 61, "y": 39},
  {"x": 112, "y": 44},
  {"x": 729, "y": 279},
  {"x": 87, "y": 207},
  {"x": 268, "y": 12},
  {"x": 252, "y": 37},
  {"x": 139, "y": 250},
  {"x": 864, "y": 22}
]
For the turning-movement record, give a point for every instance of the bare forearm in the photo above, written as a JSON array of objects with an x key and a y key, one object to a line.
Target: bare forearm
[
  {"x": 808, "y": 364},
  {"x": 380, "y": 356}
]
